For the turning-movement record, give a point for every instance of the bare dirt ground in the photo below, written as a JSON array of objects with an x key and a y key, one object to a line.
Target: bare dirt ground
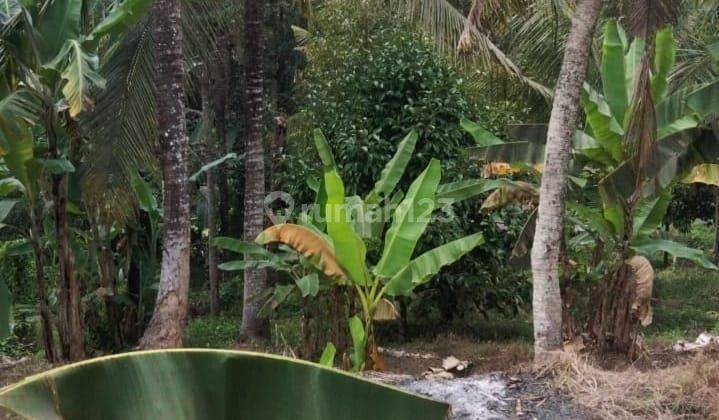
[{"x": 503, "y": 385}]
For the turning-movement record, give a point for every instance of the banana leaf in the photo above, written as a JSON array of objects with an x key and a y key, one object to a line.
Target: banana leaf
[
  {"x": 409, "y": 221},
  {"x": 20, "y": 155},
  {"x": 613, "y": 71},
  {"x": 707, "y": 173},
  {"x": 671, "y": 159},
  {"x": 520, "y": 256},
  {"x": 481, "y": 136},
  {"x": 359, "y": 344},
  {"x": 509, "y": 192},
  {"x": 6, "y": 207},
  {"x": 306, "y": 242},
  {"x": 632, "y": 61},
  {"x": 513, "y": 153},
  {"x": 121, "y": 17},
  {"x": 705, "y": 100},
  {"x": 586, "y": 145},
  {"x": 349, "y": 248},
  {"x": 427, "y": 265},
  {"x": 664, "y": 55},
  {"x": 532, "y": 133},
  {"x": 648, "y": 215},
  {"x": 393, "y": 171},
  {"x": 649, "y": 246},
  {"x": 60, "y": 22},
  {"x": 606, "y": 130},
  {"x": 240, "y": 265},
  {"x": 328, "y": 355},
  {"x": 209, "y": 384},
  {"x": 455, "y": 192}
]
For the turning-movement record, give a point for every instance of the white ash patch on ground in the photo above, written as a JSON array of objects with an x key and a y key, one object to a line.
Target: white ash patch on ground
[{"x": 472, "y": 398}]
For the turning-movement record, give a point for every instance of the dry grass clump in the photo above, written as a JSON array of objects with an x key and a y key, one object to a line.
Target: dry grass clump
[{"x": 689, "y": 390}]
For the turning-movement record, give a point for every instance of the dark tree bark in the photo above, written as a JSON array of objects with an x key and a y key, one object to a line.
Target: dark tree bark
[
  {"x": 253, "y": 327},
  {"x": 167, "y": 326},
  {"x": 210, "y": 155},
  {"x": 108, "y": 281},
  {"x": 131, "y": 330},
  {"x": 220, "y": 94},
  {"x": 72, "y": 334},
  {"x": 546, "y": 252},
  {"x": 48, "y": 340}
]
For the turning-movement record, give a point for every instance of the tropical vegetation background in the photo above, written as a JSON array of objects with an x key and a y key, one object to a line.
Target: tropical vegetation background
[{"x": 496, "y": 180}]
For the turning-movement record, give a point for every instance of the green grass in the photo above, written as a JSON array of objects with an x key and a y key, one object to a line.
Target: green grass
[
  {"x": 687, "y": 303},
  {"x": 212, "y": 332},
  {"x": 221, "y": 332}
]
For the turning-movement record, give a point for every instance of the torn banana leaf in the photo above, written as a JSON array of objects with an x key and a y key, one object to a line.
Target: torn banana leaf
[{"x": 209, "y": 384}]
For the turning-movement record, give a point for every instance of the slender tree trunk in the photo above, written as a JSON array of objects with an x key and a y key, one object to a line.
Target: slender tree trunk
[
  {"x": 210, "y": 155},
  {"x": 107, "y": 281},
  {"x": 253, "y": 327},
  {"x": 48, "y": 340},
  {"x": 167, "y": 326},
  {"x": 546, "y": 253},
  {"x": 131, "y": 330},
  {"x": 72, "y": 337},
  {"x": 221, "y": 88}
]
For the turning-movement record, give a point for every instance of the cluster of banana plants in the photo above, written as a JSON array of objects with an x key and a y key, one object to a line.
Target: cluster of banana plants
[
  {"x": 623, "y": 165},
  {"x": 331, "y": 240}
]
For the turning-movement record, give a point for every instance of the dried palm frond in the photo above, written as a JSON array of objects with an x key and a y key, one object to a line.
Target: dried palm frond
[
  {"x": 645, "y": 17},
  {"x": 471, "y": 28},
  {"x": 642, "y": 127}
]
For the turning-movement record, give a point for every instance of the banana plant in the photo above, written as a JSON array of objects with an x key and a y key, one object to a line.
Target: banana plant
[
  {"x": 630, "y": 185},
  {"x": 216, "y": 384},
  {"x": 333, "y": 240},
  {"x": 50, "y": 71},
  {"x": 638, "y": 140}
]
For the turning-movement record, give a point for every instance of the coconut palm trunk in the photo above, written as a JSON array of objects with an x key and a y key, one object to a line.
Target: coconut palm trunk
[
  {"x": 253, "y": 327},
  {"x": 546, "y": 252},
  {"x": 210, "y": 197},
  {"x": 166, "y": 328}
]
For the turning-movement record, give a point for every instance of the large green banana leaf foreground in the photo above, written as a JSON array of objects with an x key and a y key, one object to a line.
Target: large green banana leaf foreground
[{"x": 209, "y": 384}]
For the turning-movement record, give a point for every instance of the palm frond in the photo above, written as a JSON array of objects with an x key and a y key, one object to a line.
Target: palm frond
[
  {"x": 445, "y": 24},
  {"x": 121, "y": 130},
  {"x": 645, "y": 17}
]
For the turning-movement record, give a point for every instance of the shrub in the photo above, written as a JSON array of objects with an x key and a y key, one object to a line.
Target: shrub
[{"x": 368, "y": 82}]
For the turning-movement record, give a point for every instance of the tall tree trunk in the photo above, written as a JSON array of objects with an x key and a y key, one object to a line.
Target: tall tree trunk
[
  {"x": 106, "y": 267},
  {"x": 72, "y": 335},
  {"x": 253, "y": 327},
  {"x": 48, "y": 340},
  {"x": 210, "y": 155},
  {"x": 220, "y": 94},
  {"x": 131, "y": 330},
  {"x": 546, "y": 253},
  {"x": 167, "y": 326}
]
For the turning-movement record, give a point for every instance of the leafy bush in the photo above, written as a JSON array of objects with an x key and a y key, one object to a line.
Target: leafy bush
[
  {"x": 690, "y": 202},
  {"x": 368, "y": 82}
]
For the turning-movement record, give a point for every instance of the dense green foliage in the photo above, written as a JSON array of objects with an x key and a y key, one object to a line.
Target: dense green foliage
[{"x": 369, "y": 80}]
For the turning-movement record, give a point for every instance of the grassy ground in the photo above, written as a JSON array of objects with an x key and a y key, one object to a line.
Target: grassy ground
[{"x": 686, "y": 303}]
